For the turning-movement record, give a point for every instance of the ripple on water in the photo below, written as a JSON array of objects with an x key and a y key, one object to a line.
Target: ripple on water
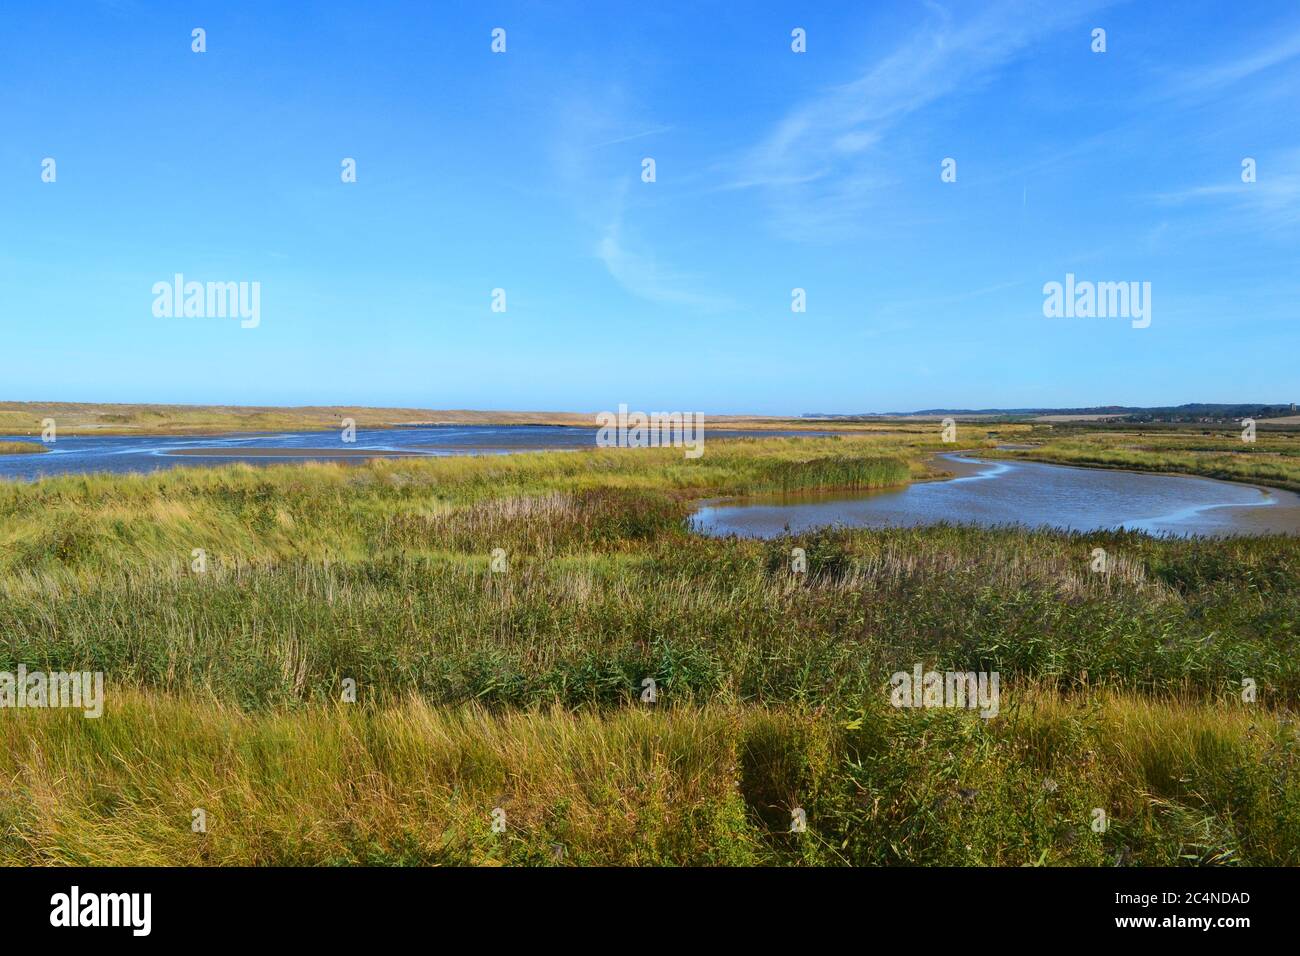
[{"x": 1032, "y": 494}]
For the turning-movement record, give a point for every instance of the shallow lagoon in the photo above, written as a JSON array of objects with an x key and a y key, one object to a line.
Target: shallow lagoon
[
  {"x": 77, "y": 454},
  {"x": 1025, "y": 493}
]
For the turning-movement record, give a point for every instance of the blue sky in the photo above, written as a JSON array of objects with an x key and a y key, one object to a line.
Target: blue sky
[{"x": 775, "y": 170}]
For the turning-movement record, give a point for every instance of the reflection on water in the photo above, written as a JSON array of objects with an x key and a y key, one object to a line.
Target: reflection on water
[
  {"x": 137, "y": 453},
  {"x": 1024, "y": 493}
]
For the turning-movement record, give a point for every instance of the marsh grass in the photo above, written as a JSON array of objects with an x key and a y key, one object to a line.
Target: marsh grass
[
  {"x": 1273, "y": 459},
  {"x": 339, "y": 512},
  {"x": 582, "y": 614},
  {"x": 520, "y": 689},
  {"x": 79, "y": 418},
  {"x": 415, "y": 784}
]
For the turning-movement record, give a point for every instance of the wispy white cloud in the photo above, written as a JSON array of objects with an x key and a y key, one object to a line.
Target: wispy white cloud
[
  {"x": 640, "y": 272},
  {"x": 818, "y": 167},
  {"x": 1271, "y": 202},
  {"x": 1248, "y": 88},
  {"x": 597, "y": 181},
  {"x": 1216, "y": 77},
  {"x": 632, "y": 136}
]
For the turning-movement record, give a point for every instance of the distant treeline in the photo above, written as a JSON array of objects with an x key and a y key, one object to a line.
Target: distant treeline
[{"x": 1192, "y": 412}]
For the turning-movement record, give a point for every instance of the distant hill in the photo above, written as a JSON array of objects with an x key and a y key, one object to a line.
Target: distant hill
[{"x": 1191, "y": 412}]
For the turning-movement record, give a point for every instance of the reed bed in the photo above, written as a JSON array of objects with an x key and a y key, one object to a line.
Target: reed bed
[
  {"x": 1273, "y": 459},
  {"x": 1178, "y": 782},
  {"x": 500, "y": 617}
]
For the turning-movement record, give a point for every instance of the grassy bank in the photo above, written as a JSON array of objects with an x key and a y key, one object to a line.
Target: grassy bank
[
  {"x": 1177, "y": 782},
  {"x": 518, "y": 683},
  {"x": 1272, "y": 459},
  {"x": 583, "y": 617},
  {"x": 21, "y": 448},
  {"x": 80, "y": 418},
  {"x": 552, "y": 502}
]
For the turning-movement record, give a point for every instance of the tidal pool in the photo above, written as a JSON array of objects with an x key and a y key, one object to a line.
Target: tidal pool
[{"x": 1025, "y": 493}]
